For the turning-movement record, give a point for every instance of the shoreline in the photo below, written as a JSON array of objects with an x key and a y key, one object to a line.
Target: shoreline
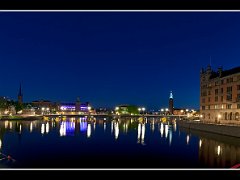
[
  {"x": 19, "y": 117},
  {"x": 226, "y": 130}
]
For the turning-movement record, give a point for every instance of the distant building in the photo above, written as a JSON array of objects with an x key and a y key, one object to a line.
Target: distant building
[
  {"x": 127, "y": 109},
  {"x": 220, "y": 95},
  {"x": 171, "y": 103},
  {"x": 20, "y": 95},
  {"x": 43, "y": 106}
]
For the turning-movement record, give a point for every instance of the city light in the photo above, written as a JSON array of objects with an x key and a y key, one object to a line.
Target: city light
[
  {"x": 187, "y": 110},
  {"x": 201, "y": 116},
  {"x": 162, "y": 110},
  {"x": 218, "y": 150},
  {"x": 219, "y": 116},
  {"x": 181, "y": 111},
  {"x": 200, "y": 143},
  {"x": 43, "y": 108},
  {"x": 0, "y": 143},
  {"x": 89, "y": 131},
  {"x": 166, "y": 109},
  {"x": 116, "y": 108}
]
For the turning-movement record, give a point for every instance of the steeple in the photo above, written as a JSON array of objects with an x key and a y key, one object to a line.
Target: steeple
[
  {"x": 171, "y": 103},
  {"x": 171, "y": 95},
  {"x": 20, "y": 90},
  {"x": 20, "y": 95}
]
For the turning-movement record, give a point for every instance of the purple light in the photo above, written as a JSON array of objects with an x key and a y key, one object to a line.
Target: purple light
[
  {"x": 70, "y": 128},
  {"x": 83, "y": 126}
]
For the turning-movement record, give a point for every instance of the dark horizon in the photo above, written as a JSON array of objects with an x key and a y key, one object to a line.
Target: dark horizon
[{"x": 111, "y": 58}]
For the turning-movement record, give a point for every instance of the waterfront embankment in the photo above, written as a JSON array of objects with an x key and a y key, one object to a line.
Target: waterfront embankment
[
  {"x": 19, "y": 117},
  {"x": 228, "y": 130}
]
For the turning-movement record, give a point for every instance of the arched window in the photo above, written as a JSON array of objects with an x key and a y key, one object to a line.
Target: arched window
[
  {"x": 225, "y": 116},
  {"x": 237, "y": 116}
]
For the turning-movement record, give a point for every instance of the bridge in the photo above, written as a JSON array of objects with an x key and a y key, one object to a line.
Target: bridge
[{"x": 113, "y": 115}]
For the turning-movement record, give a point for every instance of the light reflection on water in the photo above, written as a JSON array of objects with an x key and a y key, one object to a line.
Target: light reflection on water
[{"x": 161, "y": 138}]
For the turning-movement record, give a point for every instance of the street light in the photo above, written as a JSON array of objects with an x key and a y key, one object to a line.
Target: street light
[{"x": 89, "y": 108}]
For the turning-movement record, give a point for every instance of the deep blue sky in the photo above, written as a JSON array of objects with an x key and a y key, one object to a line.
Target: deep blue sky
[{"x": 111, "y": 58}]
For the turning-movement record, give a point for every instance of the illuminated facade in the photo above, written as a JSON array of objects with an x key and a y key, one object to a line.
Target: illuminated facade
[{"x": 220, "y": 95}]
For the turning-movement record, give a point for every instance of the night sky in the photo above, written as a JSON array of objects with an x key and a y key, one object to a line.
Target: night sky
[{"x": 110, "y": 58}]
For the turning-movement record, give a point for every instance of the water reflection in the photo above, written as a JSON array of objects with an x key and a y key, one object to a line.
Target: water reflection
[
  {"x": 212, "y": 153},
  {"x": 141, "y": 133},
  {"x": 31, "y": 127},
  {"x": 89, "y": 130},
  {"x": 116, "y": 130},
  {"x": 216, "y": 154}
]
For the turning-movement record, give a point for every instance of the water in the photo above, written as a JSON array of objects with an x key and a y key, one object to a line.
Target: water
[{"x": 108, "y": 143}]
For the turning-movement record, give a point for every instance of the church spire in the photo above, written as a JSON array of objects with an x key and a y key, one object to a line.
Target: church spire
[
  {"x": 20, "y": 95},
  {"x": 171, "y": 95},
  {"x": 20, "y": 90}
]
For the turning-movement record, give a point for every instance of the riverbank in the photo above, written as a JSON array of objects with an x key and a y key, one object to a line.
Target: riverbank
[
  {"x": 226, "y": 130},
  {"x": 19, "y": 117}
]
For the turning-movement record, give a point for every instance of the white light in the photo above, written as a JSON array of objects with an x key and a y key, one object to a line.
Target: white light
[
  {"x": 200, "y": 143},
  {"x": 104, "y": 126},
  {"x": 181, "y": 111},
  {"x": 31, "y": 127},
  {"x": 89, "y": 108},
  {"x": 47, "y": 127},
  {"x": 139, "y": 132},
  {"x": 166, "y": 131},
  {"x": 162, "y": 110},
  {"x": 10, "y": 125},
  {"x": 47, "y": 109},
  {"x": 0, "y": 143},
  {"x": 170, "y": 137},
  {"x": 43, "y": 108},
  {"x": 143, "y": 134},
  {"x": 143, "y": 109},
  {"x": 201, "y": 116},
  {"x": 161, "y": 130},
  {"x": 116, "y": 108},
  {"x": 20, "y": 128},
  {"x": 218, "y": 150},
  {"x": 116, "y": 130},
  {"x": 89, "y": 130},
  {"x": 139, "y": 109},
  {"x": 187, "y": 139},
  {"x": 166, "y": 109},
  {"x": 219, "y": 116},
  {"x": 62, "y": 130},
  {"x": 42, "y": 128},
  {"x": 187, "y": 110},
  {"x": 111, "y": 126}
]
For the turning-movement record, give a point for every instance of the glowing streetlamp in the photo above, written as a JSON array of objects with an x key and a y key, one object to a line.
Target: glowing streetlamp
[
  {"x": 89, "y": 108},
  {"x": 143, "y": 109}
]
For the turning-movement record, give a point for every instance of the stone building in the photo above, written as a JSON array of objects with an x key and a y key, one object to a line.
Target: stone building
[{"x": 220, "y": 95}]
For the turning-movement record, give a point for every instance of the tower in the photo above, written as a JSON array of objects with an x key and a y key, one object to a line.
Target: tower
[
  {"x": 78, "y": 105},
  {"x": 20, "y": 95},
  {"x": 171, "y": 103}
]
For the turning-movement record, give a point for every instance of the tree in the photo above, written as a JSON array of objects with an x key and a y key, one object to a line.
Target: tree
[{"x": 18, "y": 107}]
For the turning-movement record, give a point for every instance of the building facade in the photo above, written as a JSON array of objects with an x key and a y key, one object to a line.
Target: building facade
[{"x": 220, "y": 95}]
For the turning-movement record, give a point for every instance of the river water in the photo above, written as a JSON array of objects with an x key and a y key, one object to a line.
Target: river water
[{"x": 112, "y": 143}]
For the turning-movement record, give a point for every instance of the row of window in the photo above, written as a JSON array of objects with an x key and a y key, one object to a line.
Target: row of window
[
  {"x": 224, "y": 116},
  {"x": 217, "y": 106},
  {"x": 228, "y": 98},
  {"x": 229, "y": 91}
]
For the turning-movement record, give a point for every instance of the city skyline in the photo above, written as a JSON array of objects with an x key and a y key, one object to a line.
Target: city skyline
[{"x": 114, "y": 58}]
